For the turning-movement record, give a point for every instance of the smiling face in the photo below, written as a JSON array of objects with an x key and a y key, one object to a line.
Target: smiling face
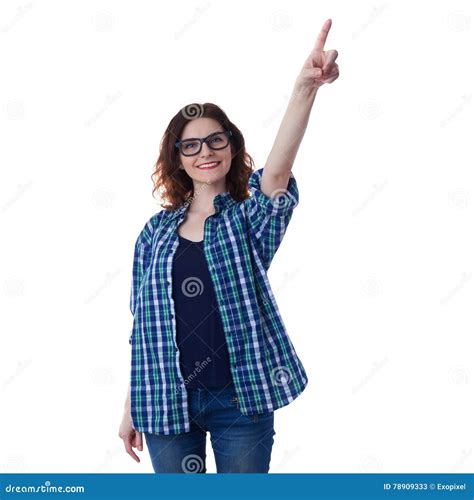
[{"x": 203, "y": 127}]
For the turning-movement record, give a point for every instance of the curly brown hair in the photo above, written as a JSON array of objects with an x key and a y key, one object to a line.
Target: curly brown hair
[{"x": 173, "y": 184}]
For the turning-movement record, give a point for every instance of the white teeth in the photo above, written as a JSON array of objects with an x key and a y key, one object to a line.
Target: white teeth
[{"x": 209, "y": 165}]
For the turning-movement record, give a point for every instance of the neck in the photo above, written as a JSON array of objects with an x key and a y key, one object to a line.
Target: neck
[{"x": 203, "y": 197}]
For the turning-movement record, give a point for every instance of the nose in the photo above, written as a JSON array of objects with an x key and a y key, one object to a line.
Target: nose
[{"x": 206, "y": 150}]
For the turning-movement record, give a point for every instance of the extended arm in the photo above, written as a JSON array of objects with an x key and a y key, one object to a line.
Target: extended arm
[{"x": 318, "y": 69}]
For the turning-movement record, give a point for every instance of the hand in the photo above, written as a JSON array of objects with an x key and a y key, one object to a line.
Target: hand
[
  {"x": 319, "y": 68},
  {"x": 131, "y": 438}
]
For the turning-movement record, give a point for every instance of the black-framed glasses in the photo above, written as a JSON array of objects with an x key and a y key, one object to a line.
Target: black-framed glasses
[{"x": 193, "y": 145}]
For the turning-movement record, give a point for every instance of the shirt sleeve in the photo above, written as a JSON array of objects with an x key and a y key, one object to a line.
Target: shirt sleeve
[
  {"x": 268, "y": 218},
  {"x": 141, "y": 260}
]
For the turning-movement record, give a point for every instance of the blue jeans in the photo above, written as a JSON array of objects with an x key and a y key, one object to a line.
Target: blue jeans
[{"x": 241, "y": 443}]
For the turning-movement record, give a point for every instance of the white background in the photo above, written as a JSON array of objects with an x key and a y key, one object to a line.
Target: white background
[{"x": 373, "y": 279}]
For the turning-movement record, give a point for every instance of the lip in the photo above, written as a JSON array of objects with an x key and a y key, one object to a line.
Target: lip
[{"x": 209, "y": 168}]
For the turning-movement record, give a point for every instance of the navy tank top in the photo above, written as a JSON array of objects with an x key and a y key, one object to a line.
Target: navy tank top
[{"x": 204, "y": 357}]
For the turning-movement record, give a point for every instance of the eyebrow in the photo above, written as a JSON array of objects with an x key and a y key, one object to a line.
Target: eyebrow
[{"x": 212, "y": 133}]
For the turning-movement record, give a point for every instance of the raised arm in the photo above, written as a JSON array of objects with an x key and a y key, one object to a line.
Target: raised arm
[{"x": 318, "y": 69}]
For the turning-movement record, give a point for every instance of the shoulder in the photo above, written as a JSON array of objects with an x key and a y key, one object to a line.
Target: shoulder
[
  {"x": 154, "y": 221},
  {"x": 255, "y": 180},
  {"x": 282, "y": 202},
  {"x": 159, "y": 216},
  {"x": 151, "y": 226}
]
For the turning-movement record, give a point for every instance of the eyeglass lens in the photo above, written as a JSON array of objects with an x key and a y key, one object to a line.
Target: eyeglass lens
[{"x": 193, "y": 146}]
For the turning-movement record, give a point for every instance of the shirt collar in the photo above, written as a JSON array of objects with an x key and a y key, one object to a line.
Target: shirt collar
[{"x": 221, "y": 201}]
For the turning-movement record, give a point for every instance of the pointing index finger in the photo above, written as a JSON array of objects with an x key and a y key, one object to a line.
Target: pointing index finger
[{"x": 323, "y": 34}]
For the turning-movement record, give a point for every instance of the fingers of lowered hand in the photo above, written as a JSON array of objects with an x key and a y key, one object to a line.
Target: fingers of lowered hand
[
  {"x": 129, "y": 448},
  {"x": 138, "y": 441}
]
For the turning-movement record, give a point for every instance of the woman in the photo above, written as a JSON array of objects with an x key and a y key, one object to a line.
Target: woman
[{"x": 210, "y": 352}]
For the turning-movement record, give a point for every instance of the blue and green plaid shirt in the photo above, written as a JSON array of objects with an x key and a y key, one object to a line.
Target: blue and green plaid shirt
[{"x": 240, "y": 240}]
